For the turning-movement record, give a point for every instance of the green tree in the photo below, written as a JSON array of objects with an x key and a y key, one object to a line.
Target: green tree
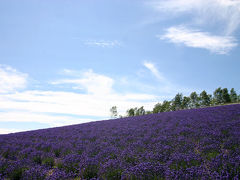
[
  {"x": 225, "y": 96},
  {"x": 136, "y": 111},
  {"x": 194, "y": 100},
  {"x": 131, "y": 112},
  {"x": 211, "y": 99},
  {"x": 157, "y": 108},
  {"x": 205, "y": 99},
  {"x": 186, "y": 102},
  {"x": 218, "y": 96},
  {"x": 233, "y": 96},
  {"x": 140, "y": 111},
  {"x": 114, "y": 112},
  {"x": 177, "y": 101},
  {"x": 166, "y": 106}
]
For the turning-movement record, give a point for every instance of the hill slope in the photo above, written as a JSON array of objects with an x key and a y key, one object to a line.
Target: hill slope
[{"x": 198, "y": 143}]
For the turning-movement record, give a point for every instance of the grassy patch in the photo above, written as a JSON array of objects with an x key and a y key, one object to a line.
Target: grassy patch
[
  {"x": 90, "y": 172},
  {"x": 211, "y": 155},
  {"x": 113, "y": 174},
  {"x": 49, "y": 161}
]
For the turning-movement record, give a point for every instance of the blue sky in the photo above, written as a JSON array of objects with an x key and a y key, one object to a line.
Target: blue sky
[{"x": 67, "y": 62}]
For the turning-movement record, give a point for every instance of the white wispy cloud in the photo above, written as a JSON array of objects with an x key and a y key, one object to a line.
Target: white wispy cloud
[
  {"x": 150, "y": 66},
  {"x": 198, "y": 39},
  {"x": 206, "y": 12},
  {"x": 72, "y": 103},
  {"x": 44, "y": 118},
  {"x": 9, "y": 130},
  {"x": 221, "y": 15},
  {"x": 92, "y": 82},
  {"x": 55, "y": 108},
  {"x": 11, "y": 79},
  {"x": 193, "y": 5},
  {"x": 176, "y": 5},
  {"x": 102, "y": 43},
  {"x": 165, "y": 86}
]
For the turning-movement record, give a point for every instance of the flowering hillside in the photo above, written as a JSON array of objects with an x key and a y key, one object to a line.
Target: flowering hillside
[{"x": 188, "y": 144}]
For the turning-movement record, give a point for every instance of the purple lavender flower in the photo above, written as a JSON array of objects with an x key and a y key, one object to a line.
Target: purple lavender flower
[{"x": 188, "y": 144}]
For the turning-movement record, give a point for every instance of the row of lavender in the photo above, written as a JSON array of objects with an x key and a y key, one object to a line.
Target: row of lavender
[{"x": 188, "y": 144}]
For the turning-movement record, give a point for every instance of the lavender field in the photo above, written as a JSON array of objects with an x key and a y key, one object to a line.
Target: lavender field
[{"x": 188, "y": 144}]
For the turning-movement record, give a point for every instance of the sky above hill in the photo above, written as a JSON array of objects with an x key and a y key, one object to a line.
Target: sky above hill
[{"x": 68, "y": 62}]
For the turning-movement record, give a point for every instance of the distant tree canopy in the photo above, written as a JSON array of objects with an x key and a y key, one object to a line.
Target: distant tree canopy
[
  {"x": 177, "y": 102},
  {"x": 205, "y": 99},
  {"x": 162, "y": 107},
  {"x": 114, "y": 112},
  {"x": 136, "y": 111},
  {"x": 220, "y": 97},
  {"x": 194, "y": 100},
  {"x": 233, "y": 96}
]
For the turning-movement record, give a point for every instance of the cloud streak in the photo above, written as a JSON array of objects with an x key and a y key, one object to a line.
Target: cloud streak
[
  {"x": 7, "y": 131},
  {"x": 56, "y": 108},
  {"x": 91, "y": 103},
  {"x": 44, "y": 118},
  {"x": 226, "y": 12},
  {"x": 165, "y": 86},
  {"x": 92, "y": 82},
  {"x": 102, "y": 43},
  {"x": 150, "y": 66},
  {"x": 221, "y": 15},
  {"x": 70, "y": 103},
  {"x": 178, "y": 6},
  {"x": 11, "y": 79},
  {"x": 198, "y": 39}
]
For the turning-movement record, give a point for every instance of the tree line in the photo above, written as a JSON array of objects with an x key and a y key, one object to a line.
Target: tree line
[{"x": 219, "y": 97}]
